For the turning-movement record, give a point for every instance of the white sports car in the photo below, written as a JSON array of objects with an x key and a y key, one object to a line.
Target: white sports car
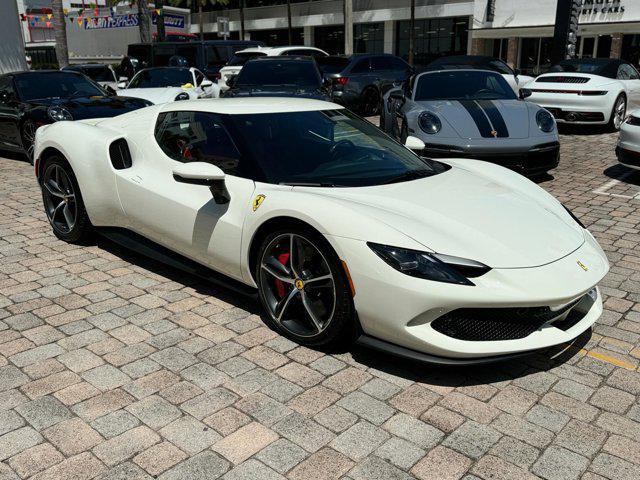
[
  {"x": 169, "y": 84},
  {"x": 590, "y": 91},
  {"x": 340, "y": 230},
  {"x": 628, "y": 147}
]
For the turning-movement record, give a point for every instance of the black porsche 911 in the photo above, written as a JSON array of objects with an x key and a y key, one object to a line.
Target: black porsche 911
[{"x": 29, "y": 100}]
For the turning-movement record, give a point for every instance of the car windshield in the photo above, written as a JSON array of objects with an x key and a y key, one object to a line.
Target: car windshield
[
  {"x": 98, "y": 74},
  {"x": 329, "y": 65},
  {"x": 325, "y": 148},
  {"x": 41, "y": 85},
  {"x": 266, "y": 73},
  {"x": 240, "y": 58},
  {"x": 463, "y": 85},
  {"x": 161, "y": 77}
]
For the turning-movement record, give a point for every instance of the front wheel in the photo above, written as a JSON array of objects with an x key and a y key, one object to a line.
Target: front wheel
[
  {"x": 619, "y": 113},
  {"x": 63, "y": 202},
  {"x": 28, "y": 137},
  {"x": 302, "y": 286}
]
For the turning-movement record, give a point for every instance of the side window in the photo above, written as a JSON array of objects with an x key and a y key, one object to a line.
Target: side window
[
  {"x": 632, "y": 72},
  {"x": 199, "y": 77},
  {"x": 361, "y": 66},
  {"x": 197, "y": 137},
  {"x": 398, "y": 63},
  {"x": 380, "y": 63},
  {"x": 190, "y": 52},
  {"x": 162, "y": 54},
  {"x": 216, "y": 56},
  {"x": 6, "y": 88},
  {"x": 500, "y": 67}
]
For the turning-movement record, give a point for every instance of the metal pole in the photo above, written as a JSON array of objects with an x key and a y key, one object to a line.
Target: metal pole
[
  {"x": 348, "y": 27},
  {"x": 412, "y": 31}
]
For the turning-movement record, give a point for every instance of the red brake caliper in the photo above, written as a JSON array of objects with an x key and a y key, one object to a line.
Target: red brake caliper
[{"x": 283, "y": 258}]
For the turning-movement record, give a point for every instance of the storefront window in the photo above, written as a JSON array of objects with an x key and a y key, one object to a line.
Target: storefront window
[
  {"x": 535, "y": 55},
  {"x": 330, "y": 39},
  {"x": 631, "y": 49},
  {"x": 368, "y": 37},
  {"x": 500, "y": 48},
  {"x": 433, "y": 38},
  {"x": 604, "y": 46},
  {"x": 278, "y": 37}
]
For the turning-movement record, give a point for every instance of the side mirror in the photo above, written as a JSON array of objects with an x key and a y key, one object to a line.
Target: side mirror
[
  {"x": 206, "y": 83},
  {"x": 414, "y": 143},
  {"x": 202, "y": 173},
  {"x": 517, "y": 71},
  {"x": 396, "y": 95},
  {"x": 524, "y": 93},
  {"x": 122, "y": 85}
]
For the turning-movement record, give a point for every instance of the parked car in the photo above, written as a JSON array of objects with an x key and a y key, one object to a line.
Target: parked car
[
  {"x": 279, "y": 77},
  {"x": 359, "y": 81},
  {"x": 208, "y": 56},
  {"x": 588, "y": 91},
  {"x": 235, "y": 63},
  {"x": 168, "y": 84},
  {"x": 102, "y": 74},
  {"x": 342, "y": 232},
  {"x": 31, "y": 99},
  {"x": 473, "y": 114},
  {"x": 483, "y": 62},
  {"x": 628, "y": 146}
]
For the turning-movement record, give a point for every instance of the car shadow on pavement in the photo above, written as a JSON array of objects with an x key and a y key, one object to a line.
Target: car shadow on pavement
[
  {"x": 11, "y": 155},
  {"x": 624, "y": 174},
  {"x": 443, "y": 376},
  {"x": 565, "y": 129}
]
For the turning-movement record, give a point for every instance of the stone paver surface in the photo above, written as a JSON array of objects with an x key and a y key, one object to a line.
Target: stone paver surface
[{"x": 115, "y": 367}]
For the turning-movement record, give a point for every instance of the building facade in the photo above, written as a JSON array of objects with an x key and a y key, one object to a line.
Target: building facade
[{"x": 12, "y": 55}]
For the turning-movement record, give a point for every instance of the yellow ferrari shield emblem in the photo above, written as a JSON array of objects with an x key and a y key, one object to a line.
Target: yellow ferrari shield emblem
[
  {"x": 257, "y": 202},
  {"x": 299, "y": 284},
  {"x": 582, "y": 265}
]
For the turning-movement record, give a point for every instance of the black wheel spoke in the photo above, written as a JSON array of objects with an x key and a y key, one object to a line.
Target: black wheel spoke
[
  {"x": 315, "y": 319},
  {"x": 282, "y": 305},
  {"x": 59, "y": 199},
  {"x": 277, "y": 270}
]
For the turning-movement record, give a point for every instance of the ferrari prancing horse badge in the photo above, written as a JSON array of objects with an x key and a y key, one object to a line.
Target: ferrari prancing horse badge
[{"x": 258, "y": 201}]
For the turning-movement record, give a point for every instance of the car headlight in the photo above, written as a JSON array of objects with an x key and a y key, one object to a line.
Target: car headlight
[
  {"x": 429, "y": 123},
  {"x": 58, "y": 114},
  {"x": 430, "y": 266},
  {"x": 182, "y": 96},
  {"x": 545, "y": 121}
]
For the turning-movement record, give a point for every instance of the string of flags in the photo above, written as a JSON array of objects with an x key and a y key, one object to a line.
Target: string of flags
[{"x": 82, "y": 16}]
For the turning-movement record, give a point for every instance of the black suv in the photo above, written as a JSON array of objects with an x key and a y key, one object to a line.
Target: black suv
[
  {"x": 209, "y": 56},
  {"x": 359, "y": 81},
  {"x": 279, "y": 76}
]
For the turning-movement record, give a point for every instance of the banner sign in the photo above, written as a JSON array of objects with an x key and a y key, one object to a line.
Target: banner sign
[
  {"x": 117, "y": 21},
  {"x": 170, "y": 20}
]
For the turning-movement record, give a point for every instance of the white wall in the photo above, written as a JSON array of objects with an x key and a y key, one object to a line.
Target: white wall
[{"x": 12, "y": 56}]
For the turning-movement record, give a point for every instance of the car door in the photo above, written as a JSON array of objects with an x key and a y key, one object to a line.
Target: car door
[
  {"x": 10, "y": 113},
  {"x": 185, "y": 217},
  {"x": 198, "y": 78},
  {"x": 630, "y": 78}
]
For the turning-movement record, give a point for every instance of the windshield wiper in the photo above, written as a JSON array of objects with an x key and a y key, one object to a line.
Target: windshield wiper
[{"x": 409, "y": 175}]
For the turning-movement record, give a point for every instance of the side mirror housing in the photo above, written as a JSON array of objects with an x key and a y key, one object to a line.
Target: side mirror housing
[
  {"x": 202, "y": 173},
  {"x": 414, "y": 143},
  {"x": 206, "y": 83},
  {"x": 524, "y": 93}
]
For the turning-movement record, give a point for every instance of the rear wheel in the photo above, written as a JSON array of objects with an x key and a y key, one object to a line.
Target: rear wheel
[
  {"x": 370, "y": 102},
  {"x": 619, "y": 113},
  {"x": 63, "y": 202},
  {"x": 28, "y": 137},
  {"x": 302, "y": 286}
]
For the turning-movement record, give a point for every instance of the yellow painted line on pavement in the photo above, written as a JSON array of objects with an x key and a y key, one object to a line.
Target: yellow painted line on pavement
[{"x": 607, "y": 359}]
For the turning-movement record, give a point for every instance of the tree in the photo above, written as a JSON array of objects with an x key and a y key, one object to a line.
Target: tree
[
  {"x": 160, "y": 21},
  {"x": 60, "y": 32},
  {"x": 143, "y": 18},
  {"x": 412, "y": 32},
  {"x": 200, "y": 4}
]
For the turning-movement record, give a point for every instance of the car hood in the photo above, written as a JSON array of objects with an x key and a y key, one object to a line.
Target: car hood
[
  {"x": 277, "y": 91},
  {"x": 156, "y": 95},
  {"x": 468, "y": 215},
  {"x": 469, "y": 118},
  {"x": 97, "y": 106}
]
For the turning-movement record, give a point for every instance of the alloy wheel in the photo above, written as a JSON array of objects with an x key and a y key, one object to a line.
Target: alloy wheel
[
  {"x": 59, "y": 198},
  {"x": 371, "y": 102},
  {"x": 297, "y": 285},
  {"x": 619, "y": 112},
  {"x": 29, "y": 138}
]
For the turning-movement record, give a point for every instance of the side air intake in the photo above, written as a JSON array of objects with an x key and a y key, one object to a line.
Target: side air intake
[{"x": 120, "y": 154}]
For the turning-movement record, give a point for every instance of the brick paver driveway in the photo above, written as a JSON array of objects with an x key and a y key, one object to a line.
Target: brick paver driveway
[{"x": 115, "y": 367}]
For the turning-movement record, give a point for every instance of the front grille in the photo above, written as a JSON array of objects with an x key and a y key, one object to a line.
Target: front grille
[
  {"x": 488, "y": 324},
  {"x": 562, "y": 79}
]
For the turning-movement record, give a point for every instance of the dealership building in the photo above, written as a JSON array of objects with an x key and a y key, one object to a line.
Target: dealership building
[{"x": 518, "y": 31}]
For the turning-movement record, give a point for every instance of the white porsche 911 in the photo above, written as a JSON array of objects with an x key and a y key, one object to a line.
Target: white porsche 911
[
  {"x": 340, "y": 230},
  {"x": 628, "y": 146},
  {"x": 588, "y": 91}
]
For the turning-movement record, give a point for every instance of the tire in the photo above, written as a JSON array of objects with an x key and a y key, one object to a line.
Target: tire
[
  {"x": 309, "y": 310},
  {"x": 404, "y": 133},
  {"x": 63, "y": 203},
  {"x": 370, "y": 102},
  {"x": 28, "y": 136},
  {"x": 617, "y": 115}
]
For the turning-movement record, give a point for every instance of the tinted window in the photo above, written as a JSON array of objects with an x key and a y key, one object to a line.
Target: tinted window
[
  {"x": 98, "y": 74},
  {"x": 216, "y": 56},
  {"x": 330, "y": 147},
  {"x": 240, "y": 58},
  {"x": 190, "y": 52},
  {"x": 332, "y": 64},
  {"x": 36, "y": 85},
  {"x": 6, "y": 87},
  {"x": 500, "y": 67},
  {"x": 197, "y": 137},
  {"x": 140, "y": 52},
  {"x": 387, "y": 63},
  {"x": 161, "y": 77},
  {"x": 627, "y": 72},
  {"x": 463, "y": 85},
  {"x": 285, "y": 72},
  {"x": 199, "y": 77},
  {"x": 162, "y": 54},
  {"x": 361, "y": 66},
  {"x": 604, "y": 68}
]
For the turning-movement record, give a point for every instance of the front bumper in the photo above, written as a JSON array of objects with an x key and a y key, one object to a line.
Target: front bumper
[
  {"x": 575, "y": 109},
  {"x": 628, "y": 148},
  {"x": 533, "y": 160},
  {"x": 400, "y": 310}
]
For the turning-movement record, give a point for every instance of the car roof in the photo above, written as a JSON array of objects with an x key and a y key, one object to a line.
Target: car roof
[
  {"x": 253, "y": 105},
  {"x": 85, "y": 65},
  {"x": 283, "y": 58},
  {"x": 455, "y": 70},
  {"x": 462, "y": 59},
  {"x": 36, "y": 72},
  {"x": 166, "y": 68},
  {"x": 274, "y": 51}
]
